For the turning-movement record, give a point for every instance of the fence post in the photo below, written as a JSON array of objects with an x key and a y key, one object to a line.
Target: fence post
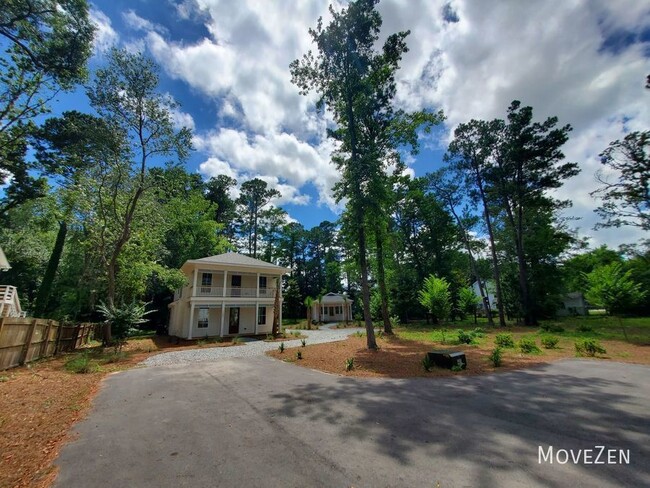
[
  {"x": 75, "y": 344},
  {"x": 2, "y": 323},
  {"x": 59, "y": 330},
  {"x": 46, "y": 342},
  {"x": 28, "y": 343}
]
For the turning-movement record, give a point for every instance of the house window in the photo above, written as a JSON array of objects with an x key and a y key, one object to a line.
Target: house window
[
  {"x": 262, "y": 282},
  {"x": 206, "y": 282},
  {"x": 203, "y": 318},
  {"x": 339, "y": 310},
  {"x": 261, "y": 316}
]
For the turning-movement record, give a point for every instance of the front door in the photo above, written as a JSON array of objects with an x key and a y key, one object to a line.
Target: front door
[
  {"x": 331, "y": 311},
  {"x": 233, "y": 324}
]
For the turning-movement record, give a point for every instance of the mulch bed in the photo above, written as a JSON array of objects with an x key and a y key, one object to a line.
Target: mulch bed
[{"x": 398, "y": 358}]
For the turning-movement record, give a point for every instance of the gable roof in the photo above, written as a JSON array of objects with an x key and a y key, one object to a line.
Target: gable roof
[
  {"x": 236, "y": 259},
  {"x": 334, "y": 298}
]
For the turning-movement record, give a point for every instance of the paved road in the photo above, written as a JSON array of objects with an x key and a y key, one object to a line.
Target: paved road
[
  {"x": 327, "y": 333},
  {"x": 257, "y": 422}
]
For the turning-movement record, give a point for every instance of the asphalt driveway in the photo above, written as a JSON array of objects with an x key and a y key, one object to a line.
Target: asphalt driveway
[{"x": 257, "y": 422}]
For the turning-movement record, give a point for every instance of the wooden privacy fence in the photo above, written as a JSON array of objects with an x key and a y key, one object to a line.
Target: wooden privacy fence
[{"x": 26, "y": 339}]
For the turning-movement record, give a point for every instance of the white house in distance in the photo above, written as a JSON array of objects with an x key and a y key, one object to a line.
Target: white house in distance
[
  {"x": 227, "y": 295},
  {"x": 9, "y": 302},
  {"x": 332, "y": 308}
]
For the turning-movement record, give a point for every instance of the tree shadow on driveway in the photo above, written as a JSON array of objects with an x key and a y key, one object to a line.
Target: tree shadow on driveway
[{"x": 487, "y": 429}]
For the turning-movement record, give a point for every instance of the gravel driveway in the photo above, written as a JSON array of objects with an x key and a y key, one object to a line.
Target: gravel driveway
[{"x": 254, "y": 348}]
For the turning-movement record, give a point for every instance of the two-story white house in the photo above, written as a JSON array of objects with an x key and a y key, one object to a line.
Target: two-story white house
[{"x": 227, "y": 295}]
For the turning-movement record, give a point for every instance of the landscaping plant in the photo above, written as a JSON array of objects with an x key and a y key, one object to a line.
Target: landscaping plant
[
  {"x": 81, "y": 365},
  {"x": 436, "y": 298},
  {"x": 426, "y": 363},
  {"x": 550, "y": 342},
  {"x": 298, "y": 355},
  {"x": 504, "y": 340},
  {"x": 527, "y": 345},
  {"x": 349, "y": 364},
  {"x": 459, "y": 366},
  {"x": 464, "y": 337},
  {"x": 122, "y": 319},
  {"x": 303, "y": 342},
  {"x": 495, "y": 357},
  {"x": 281, "y": 347},
  {"x": 589, "y": 347}
]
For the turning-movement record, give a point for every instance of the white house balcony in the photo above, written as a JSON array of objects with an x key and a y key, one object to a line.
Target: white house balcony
[{"x": 218, "y": 291}]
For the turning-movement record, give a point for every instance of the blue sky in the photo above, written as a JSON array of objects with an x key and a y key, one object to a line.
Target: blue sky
[{"x": 227, "y": 64}]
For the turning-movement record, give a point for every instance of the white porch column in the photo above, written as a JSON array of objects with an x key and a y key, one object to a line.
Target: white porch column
[
  {"x": 225, "y": 281},
  {"x": 189, "y": 332},
  {"x": 196, "y": 274},
  {"x": 257, "y": 294},
  {"x": 257, "y": 312},
  {"x": 223, "y": 316}
]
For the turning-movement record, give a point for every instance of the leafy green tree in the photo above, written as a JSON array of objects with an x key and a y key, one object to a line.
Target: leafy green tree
[
  {"x": 528, "y": 164},
  {"x": 575, "y": 268},
  {"x": 218, "y": 192},
  {"x": 613, "y": 289},
  {"x": 254, "y": 196},
  {"x": 626, "y": 200},
  {"x": 469, "y": 155},
  {"x": 352, "y": 78},
  {"x": 436, "y": 298},
  {"x": 46, "y": 46},
  {"x": 467, "y": 301},
  {"x": 124, "y": 93}
]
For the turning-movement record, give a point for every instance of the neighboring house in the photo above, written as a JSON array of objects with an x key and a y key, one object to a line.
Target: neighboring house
[
  {"x": 227, "y": 295},
  {"x": 573, "y": 303},
  {"x": 332, "y": 308},
  {"x": 9, "y": 302},
  {"x": 490, "y": 289}
]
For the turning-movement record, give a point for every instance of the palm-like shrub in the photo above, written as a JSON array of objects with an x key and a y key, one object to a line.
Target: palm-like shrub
[
  {"x": 436, "y": 298},
  {"x": 123, "y": 319}
]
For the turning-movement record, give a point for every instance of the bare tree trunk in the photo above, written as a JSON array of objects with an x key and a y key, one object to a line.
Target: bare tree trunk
[
  {"x": 45, "y": 289},
  {"x": 381, "y": 278}
]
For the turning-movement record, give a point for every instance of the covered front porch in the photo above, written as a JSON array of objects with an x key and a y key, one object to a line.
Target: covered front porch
[{"x": 225, "y": 319}]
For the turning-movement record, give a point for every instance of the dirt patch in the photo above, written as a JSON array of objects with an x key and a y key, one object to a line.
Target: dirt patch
[{"x": 399, "y": 358}]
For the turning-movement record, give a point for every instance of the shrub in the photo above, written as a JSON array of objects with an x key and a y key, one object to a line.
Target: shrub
[
  {"x": 464, "y": 337},
  {"x": 527, "y": 345},
  {"x": 269, "y": 337},
  {"x": 298, "y": 355},
  {"x": 550, "y": 327},
  {"x": 303, "y": 342},
  {"x": 380, "y": 334},
  {"x": 359, "y": 334},
  {"x": 81, "y": 365},
  {"x": 349, "y": 364},
  {"x": 114, "y": 357},
  {"x": 281, "y": 347},
  {"x": 584, "y": 328},
  {"x": 123, "y": 319},
  {"x": 478, "y": 331},
  {"x": 394, "y": 321},
  {"x": 589, "y": 347},
  {"x": 495, "y": 357},
  {"x": 550, "y": 342},
  {"x": 237, "y": 340},
  {"x": 435, "y": 297},
  {"x": 504, "y": 340},
  {"x": 426, "y": 363},
  {"x": 459, "y": 366}
]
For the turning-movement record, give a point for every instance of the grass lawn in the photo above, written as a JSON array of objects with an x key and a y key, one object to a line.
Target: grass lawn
[{"x": 401, "y": 356}]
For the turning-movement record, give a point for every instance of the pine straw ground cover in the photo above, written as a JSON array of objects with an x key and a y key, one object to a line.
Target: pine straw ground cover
[
  {"x": 399, "y": 357},
  {"x": 39, "y": 403}
]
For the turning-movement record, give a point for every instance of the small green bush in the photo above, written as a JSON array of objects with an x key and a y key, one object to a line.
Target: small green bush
[
  {"x": 478, "y": 332},
  {"x": 380, "y": 334},
  {"x": 359, "y": 334},
  {"x": 584, "y": 328},
  {"x": 281, "y": 347},
  {"x": 394, "y": 321},
  {"x": 527, "y": 345},
  {"x": 81, "y": 365},
  {"x": 459, "y": 366},
  {"x": 298, "y": 355},
  {"x": 114, "y": 357},
  {"x": 495, "y": 357},
  {"x": 349, "y": 364},
  {"x": 303, "y": 342},
  {"x": 550, "y": 342},
  {"x": 504, "y": 340},
  {"x": 237, "y": 340},
  {"x": 550, "y": 327},
  {"x": 589, "y": 347},
  {"x": 426, "y": 363},
  {"x": 464, "y": 337}
]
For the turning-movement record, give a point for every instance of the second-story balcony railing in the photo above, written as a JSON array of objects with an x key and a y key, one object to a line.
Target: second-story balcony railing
[{"x": 217, "y": 291}]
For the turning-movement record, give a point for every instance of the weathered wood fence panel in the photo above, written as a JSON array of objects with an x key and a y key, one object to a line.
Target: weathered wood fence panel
[{"x": 23, "y": 340}]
